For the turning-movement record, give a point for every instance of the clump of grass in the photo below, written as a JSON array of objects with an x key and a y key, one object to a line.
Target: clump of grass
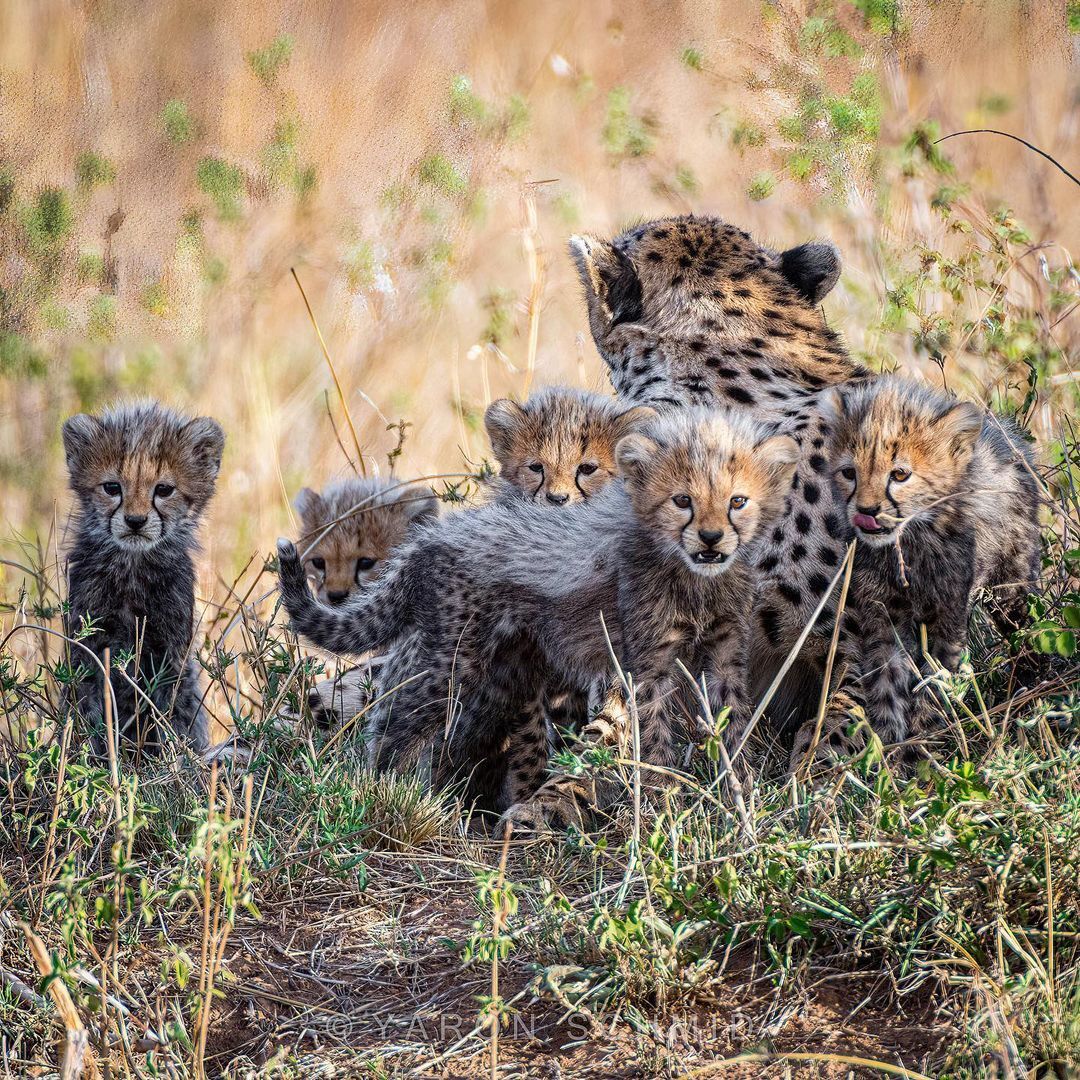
[
  {"x": 48, "y": 220},
  {"x": 177, "y": 122},
  {"x": 223, "y": 183},
  {"x": 92, "y": 170},
  {"x": 626, "y": 134},
  {"x": 267, "y": 63}
]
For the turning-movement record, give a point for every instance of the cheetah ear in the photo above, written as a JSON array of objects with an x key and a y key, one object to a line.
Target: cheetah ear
[
  {"x": 812, "y": 268},
  {"x": 612, "y": 287},
  {"x": 421, "y": 506},
  {"x": 207, "y": 442},
  {"x": 79, "y": 433},
  {"x": 779, "y": 454},
  {"x": 960, "y": 425},
  {"x": 831, "y": 405},
  {"x": 632, "y": 456},
  {"x": 504, "y": 420},
  {"x": 310, "y": 506},
  {"x": 633, "y": 420}
]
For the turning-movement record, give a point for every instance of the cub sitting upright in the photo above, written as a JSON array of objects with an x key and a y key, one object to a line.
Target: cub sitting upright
[
  {"x": 944, "y": 502},
  {"x": 142, "y": 475}
]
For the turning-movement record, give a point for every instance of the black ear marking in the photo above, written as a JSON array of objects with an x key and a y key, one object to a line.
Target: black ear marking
[
  {"x": 623, "y": 288},
  {"x": 612, "y": 287},
  {"x": 812, "y": 268}
]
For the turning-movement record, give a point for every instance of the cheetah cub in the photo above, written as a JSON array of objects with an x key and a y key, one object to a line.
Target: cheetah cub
[
  {"x": 502, "y": 603},
  {"x": 142, "y": 476},
  {"x": 944, "y": 502},
  {"x": 559, "y": 446},
  {"x": 348, "y": 531}
]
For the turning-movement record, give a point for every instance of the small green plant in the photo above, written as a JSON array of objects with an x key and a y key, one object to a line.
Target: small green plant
[
  {"x": 438, "y": 172},
  {"x": 223, "y": 182},
  {"x": 177, "y": 122},
  {"x": 761, "y": 186},
  {"x": 92, "y": 170},
  {"x": 693, "y": 58},
  {"x": 626, "y": 134},
  {"x": 267, "y": 63},
  {"x": 48, "y": 220}
]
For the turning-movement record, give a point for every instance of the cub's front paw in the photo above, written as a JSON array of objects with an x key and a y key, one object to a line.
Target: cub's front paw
[
  {"x": 291, "y": 576},
  {"x": 546, "y": 812}
]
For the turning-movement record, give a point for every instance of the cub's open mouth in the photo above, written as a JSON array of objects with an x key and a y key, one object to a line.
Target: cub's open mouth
[
  {"x": 709, "y": 556},
  {"x": 866, "y": 523}
]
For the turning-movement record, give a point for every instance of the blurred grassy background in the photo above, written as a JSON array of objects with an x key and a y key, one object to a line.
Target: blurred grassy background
[{"x": 162, "y": 167}]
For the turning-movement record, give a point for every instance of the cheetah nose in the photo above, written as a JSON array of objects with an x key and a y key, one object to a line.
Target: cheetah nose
[
  {"x": 336, "y": 596},
  {"x": 558, "y": 498},
  {"x": 134, "y": 521},
  {"x": 711, "y": 537}
]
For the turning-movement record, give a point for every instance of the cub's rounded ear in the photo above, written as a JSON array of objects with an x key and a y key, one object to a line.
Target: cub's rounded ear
[
  {"x": 780, "y": 455},
  {"x": 632, "y": 456},
  {"x": 812, "y": 268},
  {"x": 207, "y": 441},
  {"x": 960, "y": 425},
  {"x": 778, "y": 450},
  {"x": 633, "y": 419},
  {"x": 309, "y": 505},
  {"x": 612, "y": 287},
  {"x": 421, "y": 506},
  {"x": 79, "y": 434},
  {"x": 831, "y": 405},
  {"x": 504, "y": 421}
]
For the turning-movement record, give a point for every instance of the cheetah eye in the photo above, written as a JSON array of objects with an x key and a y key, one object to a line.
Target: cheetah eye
[
  {"x": 111, "y": 487},
  {"x": 163, "y": 491},
  {"x": 366, "y": 563},
  {"x": 900, "y": 474},
  {"x": 587, "y": 468},
  {"x": 535, "y": 466},
  {"x": 319, "y": 563},
  {"x": 738, "y": 502},
  {"x": 682, "y": 501},
  {"x": 848, "y": 472}
]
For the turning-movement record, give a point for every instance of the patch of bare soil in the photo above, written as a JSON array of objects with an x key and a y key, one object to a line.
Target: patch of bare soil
[{"x": 350, "y": 984}]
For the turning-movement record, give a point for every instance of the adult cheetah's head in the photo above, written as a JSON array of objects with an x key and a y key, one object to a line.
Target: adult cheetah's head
[
  {"x": 706, "y": 482},
  {"x": 692, "y": 275}
]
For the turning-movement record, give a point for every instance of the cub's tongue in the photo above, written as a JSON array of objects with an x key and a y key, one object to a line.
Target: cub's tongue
[{"x": 865, "y": 522}]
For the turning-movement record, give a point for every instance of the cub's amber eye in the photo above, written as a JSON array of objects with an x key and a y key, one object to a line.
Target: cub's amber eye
[
  {"x": 366, "y": 563},
  {"x": 319, "y": 563},
  {"x": 900, "y": 475},
  {"x": 535, "y": 466},
  {"x": 111, "y": 487},
  {"x": 163, "y": 491},
  {"x": 682, "y": 501},
  {"x": 587, "y": 468},
  {"x": 738, "y": 502},
  {"x": 848, "y": 472}
]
